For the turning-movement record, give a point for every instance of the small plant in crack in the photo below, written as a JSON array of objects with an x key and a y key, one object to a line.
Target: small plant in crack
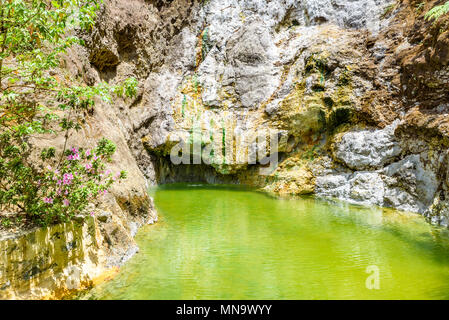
[
  {"x": 437, "y": 12},
  {"x": 183, "y": 106},
  {"x": 205, "y": 44}
]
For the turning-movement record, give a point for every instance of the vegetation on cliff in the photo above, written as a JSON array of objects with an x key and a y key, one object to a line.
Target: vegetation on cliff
[
  {"x": 36, "y": 102},
  {"x": 436, "y": 12}
]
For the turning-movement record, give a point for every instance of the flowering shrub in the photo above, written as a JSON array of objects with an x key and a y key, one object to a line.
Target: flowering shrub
[
  {"x": 65, "y": 190},
  {"x": 62, "y": 190},
  {"x": 35, "y": 101}
]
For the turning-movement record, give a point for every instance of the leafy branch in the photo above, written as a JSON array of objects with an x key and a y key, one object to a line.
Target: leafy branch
[
  {"x": 437, "y": 12},
  {"x": 34, "y": 101}
]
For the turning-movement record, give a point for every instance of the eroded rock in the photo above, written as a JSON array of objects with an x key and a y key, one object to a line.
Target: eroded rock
[{"x": 368, "y": 149}]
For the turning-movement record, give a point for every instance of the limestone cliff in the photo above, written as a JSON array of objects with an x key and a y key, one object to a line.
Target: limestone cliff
[{"x": 354, "y": 89}]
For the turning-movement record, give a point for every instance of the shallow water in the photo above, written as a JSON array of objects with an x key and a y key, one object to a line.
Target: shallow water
[{"x": 220, "y": 242}]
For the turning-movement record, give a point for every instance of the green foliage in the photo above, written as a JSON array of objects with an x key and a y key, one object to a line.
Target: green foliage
[
  {"x": 311, "y": 153},
  {"x": 420, "y": 7},
  {"x": 105, "y": 148},
  {"x": 205, "y": 44},
  {"x": 437, "y": 12},
  {"x": 56, "y": 193},
  {"x": 211, "y": 138},
  {"x": 184, "y": 103},
  {"x": 127, "y": 89},
  {"x": 196, "y": 83},
  {"x": 34, "y": 100},
  {"x": 212, "y": 150},
  {"x": 389, "y": 9},
  {"x": 6, "y": 222},
  {"x": 223, "y": 149}
]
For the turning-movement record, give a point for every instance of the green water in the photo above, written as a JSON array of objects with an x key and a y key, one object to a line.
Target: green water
[{"x": 232, "y": 243}]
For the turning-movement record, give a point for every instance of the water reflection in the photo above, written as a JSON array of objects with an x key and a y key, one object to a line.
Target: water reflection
[{"x": 220, "y": 242}]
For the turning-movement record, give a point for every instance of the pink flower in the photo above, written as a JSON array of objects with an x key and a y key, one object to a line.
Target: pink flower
[
  {"x": 48, "y": 167},
  {"x": 73, "y": 157},
  {"x": 67, "y": 178},
  {"x": 95, "y": 157},
  {"x": 107, "y": 172},
  {"x": 66, "y": 192},
  {"x": 92, "y": 213},
  {"x": 56, "y": 171},
  {"x": 74, "y": 150},
  {"x": 66, "y": 202},
  {"x": 48, "y": 200},
  {"x": 88, "y": 166},
  {"x": 87, "y": 153},
  {"x": 59, "y": 181}
]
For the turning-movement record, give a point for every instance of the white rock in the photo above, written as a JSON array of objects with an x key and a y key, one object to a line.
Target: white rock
[{"x": 368, "y": 149}]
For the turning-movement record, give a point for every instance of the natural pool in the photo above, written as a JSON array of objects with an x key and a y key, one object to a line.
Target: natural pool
[{"x": 222, "y": 242}]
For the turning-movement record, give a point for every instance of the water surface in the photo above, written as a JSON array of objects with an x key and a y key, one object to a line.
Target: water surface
[{"x": 221, "y": 242}]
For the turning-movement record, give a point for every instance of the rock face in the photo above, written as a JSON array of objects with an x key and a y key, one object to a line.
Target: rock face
[
  {"x": 365, "y": 149},
  {"x": 290, "y": 68},
  {"x": 320, "y": 75},
  {"x": 51, "y": 262},
  {"x": 406, "y": 185}
]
